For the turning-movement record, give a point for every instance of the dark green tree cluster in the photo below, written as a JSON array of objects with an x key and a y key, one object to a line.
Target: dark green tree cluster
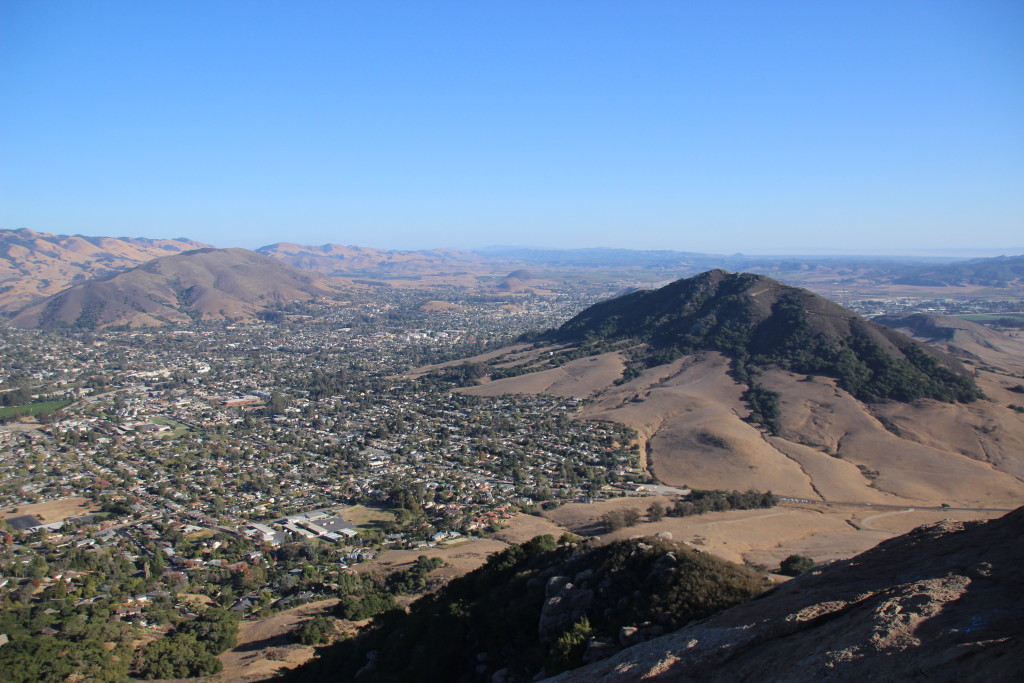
[
  {"x": 613, "y": 520},
  {"x": 794, "y": 565},
  {"x": 15, "y": 397},
  {"x": 465, "y": 374},
  {"x": 178, "y": 656},
  {"x": 414, "y": 579},
  {"x": 316, "y": 631},
  {"x": 44, "y": 659},
  {"x": 700, "y": 502},
  {"x": 366, "y": 605},
  {"x": 764, "y": 407},
  {"x": 191, "y": 649}
]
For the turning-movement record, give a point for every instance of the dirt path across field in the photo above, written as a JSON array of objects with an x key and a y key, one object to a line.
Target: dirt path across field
[{"x": 866, "y": 522}]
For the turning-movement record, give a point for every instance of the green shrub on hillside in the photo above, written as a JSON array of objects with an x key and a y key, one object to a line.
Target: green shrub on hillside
[{"x": 794, "y": 565}]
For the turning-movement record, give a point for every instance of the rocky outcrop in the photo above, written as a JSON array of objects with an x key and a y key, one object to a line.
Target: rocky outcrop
[
  {"x": 942, "y": 603},
  {"x": 564, "y": 604}
]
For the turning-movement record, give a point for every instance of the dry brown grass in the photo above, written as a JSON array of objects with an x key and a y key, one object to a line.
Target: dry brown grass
[
  {"x": 580, "y": 378},
  {"x": 461, "y": 558},
  {"x": 276, "y": 652},
  {"x": 925, "y": 453},
  {"x": 522, "y": 528}
]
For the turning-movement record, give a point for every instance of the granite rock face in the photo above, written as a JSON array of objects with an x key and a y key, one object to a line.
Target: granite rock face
[{"x": 942, "y": 603}]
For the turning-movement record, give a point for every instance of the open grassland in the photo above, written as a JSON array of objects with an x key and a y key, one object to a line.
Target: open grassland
[
  {"x": 460, "y": 558},
  {"x": 766, "y": 537}
]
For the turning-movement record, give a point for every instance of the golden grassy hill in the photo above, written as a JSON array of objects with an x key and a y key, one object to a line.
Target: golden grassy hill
[
  {"x": 205, "y": 284},
  {"x": 34, "y": 265}
]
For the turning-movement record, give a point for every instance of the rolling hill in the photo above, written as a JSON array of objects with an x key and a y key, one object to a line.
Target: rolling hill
[
  {"x": 758, "y": 321},
  {"x": 203, "y": 284},
  {"x": 34, "y": 265},
  {"x": 1001, "y": 271},
  {"x": 354, "y": 261}
]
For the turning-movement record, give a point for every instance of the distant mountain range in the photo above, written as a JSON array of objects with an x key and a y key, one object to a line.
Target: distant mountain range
[
  {"x": 352, "y": 261},
  {"x": 204, "y": 284},
  {"x": 35, "y": 265},
  {"x": 1001, "y": 271}
]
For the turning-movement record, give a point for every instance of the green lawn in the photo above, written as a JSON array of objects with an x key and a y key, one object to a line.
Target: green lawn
[
  {"x": 34, "y": 408},
  {"x": 177, "y": 427}
]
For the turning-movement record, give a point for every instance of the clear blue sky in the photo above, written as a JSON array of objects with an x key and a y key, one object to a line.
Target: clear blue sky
[{"x": 691, "y": 125}]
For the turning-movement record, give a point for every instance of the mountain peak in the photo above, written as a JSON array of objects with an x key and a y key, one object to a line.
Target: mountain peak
[{"x": 759, "y": 322}]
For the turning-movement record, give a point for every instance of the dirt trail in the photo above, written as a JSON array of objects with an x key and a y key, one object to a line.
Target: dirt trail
[{"x": 866, "y": 522}]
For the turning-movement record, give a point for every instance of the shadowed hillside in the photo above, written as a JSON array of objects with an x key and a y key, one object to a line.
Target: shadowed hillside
[{"x": 963, "y": 338}]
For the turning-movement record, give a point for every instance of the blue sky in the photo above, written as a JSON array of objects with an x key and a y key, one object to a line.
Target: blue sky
[{"x": 700, "y": 126}]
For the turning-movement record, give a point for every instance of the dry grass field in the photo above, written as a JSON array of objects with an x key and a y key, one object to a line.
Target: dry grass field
[
  {"x": 54, "y": 510},
  {"x": 766, "y": 537},
  {"x": 461, "y": 557},
  {"x": 522, "y": 528},
  {"x": 582, "y": 377}
]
